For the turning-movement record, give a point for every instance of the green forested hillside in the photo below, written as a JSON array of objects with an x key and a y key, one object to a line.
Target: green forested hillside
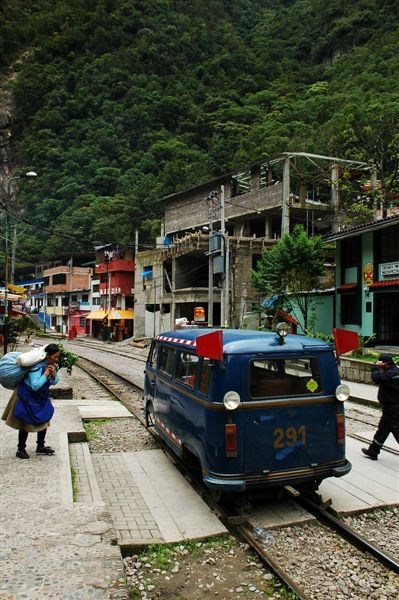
[{"x": 124, "y": 101}]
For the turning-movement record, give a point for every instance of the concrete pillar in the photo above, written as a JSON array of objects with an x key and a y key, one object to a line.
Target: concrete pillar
[
  {"x": 302, "y": 192},
  {"x": 378, "y": 207},
  {"x": 255, "y": 178},
  {"x": 173, "y": 305},
  {"x": 268, "y": 227},
  {"x": 285, "y": 216}
]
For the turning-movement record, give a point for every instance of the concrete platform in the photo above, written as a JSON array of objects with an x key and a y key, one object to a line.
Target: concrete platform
[
  {"x": 150, "y": 501},
  {"x": 362, "y": 392},
  {"x": 178, "y": 511},
  {"x": 370, "y": 484},
  {"x": 98, "y": 409},
  {"x": 279, "y": 514},
  {"x": 52, "y": 548}
]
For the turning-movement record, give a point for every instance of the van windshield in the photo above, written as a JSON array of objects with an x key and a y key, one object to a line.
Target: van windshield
[{"x": 284, "y": 377}]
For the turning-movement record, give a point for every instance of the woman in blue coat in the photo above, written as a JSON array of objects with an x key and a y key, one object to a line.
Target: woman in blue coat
[{"x": 30, "y": 408}]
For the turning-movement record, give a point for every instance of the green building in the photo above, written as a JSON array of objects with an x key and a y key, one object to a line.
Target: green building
[{"x": 367, "y": 279}]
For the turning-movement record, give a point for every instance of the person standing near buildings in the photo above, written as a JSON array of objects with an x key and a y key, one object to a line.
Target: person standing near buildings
[
  {"x": 29, "y": 408},
  {"x": 386, "y": 375}
]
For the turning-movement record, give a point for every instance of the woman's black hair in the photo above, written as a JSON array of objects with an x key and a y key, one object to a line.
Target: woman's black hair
[{"x": 52, "y": 349}]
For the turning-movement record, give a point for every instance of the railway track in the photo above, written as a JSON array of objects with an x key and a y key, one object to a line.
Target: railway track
[{"x": 127, "y": 392}]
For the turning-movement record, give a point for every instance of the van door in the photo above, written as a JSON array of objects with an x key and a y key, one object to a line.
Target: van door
[
  {"x": 163, "y": 389},
  {"x": 150, "y": 379},
  {"x": 289, "y": 421}
]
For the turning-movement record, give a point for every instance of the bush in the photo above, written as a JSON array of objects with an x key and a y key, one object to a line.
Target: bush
[{"x": 67, "y": 359}]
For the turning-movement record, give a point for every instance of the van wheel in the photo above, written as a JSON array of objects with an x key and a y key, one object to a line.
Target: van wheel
[
  {"x": 149, "y": 416},
  {"x": 191, "y": 461},
  {"x": 216, "y": 494}
]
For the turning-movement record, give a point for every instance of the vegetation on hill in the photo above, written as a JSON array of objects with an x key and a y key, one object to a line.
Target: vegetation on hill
[{"x": 121, "y": 102}]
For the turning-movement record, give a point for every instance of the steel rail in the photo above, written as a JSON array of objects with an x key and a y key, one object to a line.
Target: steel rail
[
  {"x": 270, "y": 562},
  {"x": 352, "y": 536},
  {"x": 323, "y": 515},
  {"x": 241, "y": 530}
]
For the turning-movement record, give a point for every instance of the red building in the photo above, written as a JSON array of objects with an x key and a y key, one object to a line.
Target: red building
[{"x": 115, "y": 269}]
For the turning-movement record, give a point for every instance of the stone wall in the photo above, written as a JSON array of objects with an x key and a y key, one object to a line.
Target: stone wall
[{"x": 355, "y": 370}]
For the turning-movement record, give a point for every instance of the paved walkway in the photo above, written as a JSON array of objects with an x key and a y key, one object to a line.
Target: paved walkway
[
  {"x": 362, "y": 392},
  {"x": 52, "y": 547},
  {"x": 132, "y": 498}
]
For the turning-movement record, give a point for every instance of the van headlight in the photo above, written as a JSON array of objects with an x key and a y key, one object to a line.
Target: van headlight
[
  {"x": 342, "y": 392},
  {"x": 231, "y": 400}
]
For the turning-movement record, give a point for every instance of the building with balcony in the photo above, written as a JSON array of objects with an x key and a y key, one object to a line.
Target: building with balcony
[
  {"x": 249, "y": 211},
  {"x": 112, "y": 316},
  {"x": 67, "y": 292}
]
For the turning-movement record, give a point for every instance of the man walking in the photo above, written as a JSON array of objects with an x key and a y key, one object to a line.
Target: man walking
[{"x": 386, "y": 375}]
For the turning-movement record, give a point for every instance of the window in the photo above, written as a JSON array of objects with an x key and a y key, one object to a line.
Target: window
[
  {"x": 187, "y": 368},
  {"x": 65, "y": 301},
  {"x": 96, "y": 301},
  {"x": 387, "y": 244},
  {"x": 350, "y": 255},
  {"x": 167, "y": 360},
  {"x": 82, "y": 321},
  {"x": 50, "y": 301},
  {"x": 350, "y": 309},
  {"x": 152, "y": 357},
  {"x": 96, "y": 288},
  {"x": 205, "y": 376},
  {"x": 74, "y": 298},
  {"x": 284, "y": 377},
  {"x": 85, "y": 297},
  {"x": 59, "y": 279}
]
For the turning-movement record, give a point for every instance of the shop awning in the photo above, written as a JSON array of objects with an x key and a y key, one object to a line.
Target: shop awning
[
  {"x": 384, "y": 283},
  {"x": 116, "y": 315},
  {"x": 97, "y": 315},
  {"x": 347, "y": 286}
]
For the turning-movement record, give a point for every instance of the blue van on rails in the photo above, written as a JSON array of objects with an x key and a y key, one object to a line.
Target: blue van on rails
[{"x": 255, "y": 409}]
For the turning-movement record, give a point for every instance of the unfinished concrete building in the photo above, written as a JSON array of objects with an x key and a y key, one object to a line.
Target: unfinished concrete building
[{"x": 214, "y": 234}]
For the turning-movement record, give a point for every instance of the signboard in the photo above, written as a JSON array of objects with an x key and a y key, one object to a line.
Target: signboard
[
  {"x": 368, "y": 274},
  {"x": 389, "y": 269}
]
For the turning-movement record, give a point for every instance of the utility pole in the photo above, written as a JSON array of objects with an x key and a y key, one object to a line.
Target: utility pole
[
  {"x": 285, "y": 216},
  {"x": 227, "y": 281},
  {"x": 223, "y": 254},
  {"x": 335, "y": 197},
  {"x": 5, "y": 330},
  {"x": 155, "y": 303},
  {"x": 210, "y": 275},
  {"x": 13, "y": 254},
  {"x": 6, "y": 207},
  {"x": 136, "y": 243}
]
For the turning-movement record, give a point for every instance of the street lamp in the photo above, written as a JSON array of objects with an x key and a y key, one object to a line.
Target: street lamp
[{"x": 7, "y": 201}]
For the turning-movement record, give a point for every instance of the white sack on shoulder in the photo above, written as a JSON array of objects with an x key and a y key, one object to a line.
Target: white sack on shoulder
[{"x": 31, "y": 358}]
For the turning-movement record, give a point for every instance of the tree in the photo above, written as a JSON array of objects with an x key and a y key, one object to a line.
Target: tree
[{"x": 292, "y": 267}]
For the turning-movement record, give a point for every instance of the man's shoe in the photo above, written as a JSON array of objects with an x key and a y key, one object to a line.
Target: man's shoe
[
  {"x": 369, "y": 454},
  {"x": 45, "y": 450},
  {"x": 22, "y": 454}
]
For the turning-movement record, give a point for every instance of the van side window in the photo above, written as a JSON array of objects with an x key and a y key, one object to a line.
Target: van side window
[
  {"x": 284, "y": 377},
  {"x": 153, "y": 354},
  {"x": 205, "y": 376},
  {"x": 187, "y": 368},
  {"x": 167, "y": 360}
]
